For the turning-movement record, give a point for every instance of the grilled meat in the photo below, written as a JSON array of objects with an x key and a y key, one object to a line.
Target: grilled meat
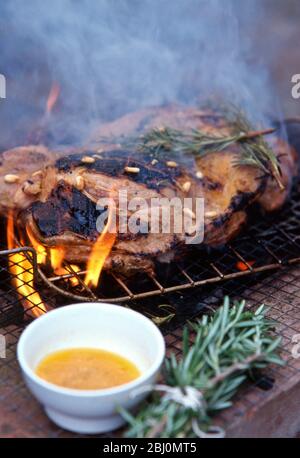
[
  {"x": 56, "y": 192},
  {"x": 215, "y": 167},
  {"x": 21, "y": 176},
  {"x": 67, "y": 216}
]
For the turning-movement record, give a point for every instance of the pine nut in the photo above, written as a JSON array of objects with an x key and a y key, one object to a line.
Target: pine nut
[
  {"x": 88, "y": 160},
  {"x": 132, "y": 169},
  {"x": 10, "y": 178},
  {"x": 186, "y": 186},
  {"x": 189, "y": 212},
  {"x": 79, "y": 183},
  {"x": 211, "y": 214},
  {"x": 37, "y": 173},
  {"x": 172, "y": 164}
]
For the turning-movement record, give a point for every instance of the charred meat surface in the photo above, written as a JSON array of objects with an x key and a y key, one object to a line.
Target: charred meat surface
[
  {"x": 57, "y": 193},
  {"x": 67, "y": 217},
  {"x": 65, "y": 210},
  {"x": 118, "y": 163}
]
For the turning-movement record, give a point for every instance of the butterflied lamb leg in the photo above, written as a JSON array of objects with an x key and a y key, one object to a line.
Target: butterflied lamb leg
[{"x": 60, "y": 208}]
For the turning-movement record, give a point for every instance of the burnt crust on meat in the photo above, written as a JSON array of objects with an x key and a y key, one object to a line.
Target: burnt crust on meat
[
  {"x": 63, "y": 215},
  {"x": 67, "y": 217},
  {"x": 114, "y": 163},
  {"x": 66, "y": 209}
]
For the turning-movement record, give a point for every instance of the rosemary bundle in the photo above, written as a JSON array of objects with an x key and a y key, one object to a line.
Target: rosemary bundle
[
  {"x": 254, "y": 150},
  {"x": 226, "y": 347}
]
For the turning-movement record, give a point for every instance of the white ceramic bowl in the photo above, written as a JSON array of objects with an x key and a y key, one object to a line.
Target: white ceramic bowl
[{"x": 105, "y": 326}]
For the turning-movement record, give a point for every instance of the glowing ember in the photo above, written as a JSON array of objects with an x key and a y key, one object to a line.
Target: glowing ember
[
  {"x": 243, "y": 267},
  {"x": 21, "y": 269},
  {"x": 100, "y": 251},
  {"x": 52, "y": 98}
]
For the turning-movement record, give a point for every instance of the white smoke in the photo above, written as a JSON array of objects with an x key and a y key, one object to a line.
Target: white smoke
[{"x": 113, "y": 56}]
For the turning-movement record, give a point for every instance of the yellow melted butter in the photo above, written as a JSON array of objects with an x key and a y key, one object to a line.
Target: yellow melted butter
[{"x": 86, "y": 369}]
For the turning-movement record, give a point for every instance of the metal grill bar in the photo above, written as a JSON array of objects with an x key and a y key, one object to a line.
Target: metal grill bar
[
  {"x": 129, "y": 295},
  {"x": 222, "y": 266},
  {"x": 279, "y": 261},
  {"x": 191, "y": 281},
  {"x": 221, "y": 275},
  {"x": 123, "y": 285},
  {"x": 241, "y": 258}
]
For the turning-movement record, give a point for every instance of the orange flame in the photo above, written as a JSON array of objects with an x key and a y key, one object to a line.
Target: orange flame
[
  {"x": 69, "y": 270},
  {"x": 52, "y": 97},
  {"x": 21, "y": 269},
  {"x": 56, "y": 254},
  {"x": 240, "y": 265},
  {"x": 100, "y": 251},
  {"x": 56, "y": 258},
  {"x": 40, "y": 250},
  {"x": 73, "y": 280}
]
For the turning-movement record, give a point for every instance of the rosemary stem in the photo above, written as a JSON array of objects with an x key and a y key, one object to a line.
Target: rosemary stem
[
  {"x": 157, "y": 429},
  {"x": 234, "y": 339},
  {"x": 258, "y": 133},
  {"x": 239, "y": 366}
]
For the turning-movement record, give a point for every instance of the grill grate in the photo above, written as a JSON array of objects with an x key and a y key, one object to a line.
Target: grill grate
[{"x": 269, "y": 244}]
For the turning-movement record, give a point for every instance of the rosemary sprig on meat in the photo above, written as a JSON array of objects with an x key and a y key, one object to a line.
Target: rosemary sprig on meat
[
  {"x": 254, "y": 150},
  {"x": 226, "y": 347}
]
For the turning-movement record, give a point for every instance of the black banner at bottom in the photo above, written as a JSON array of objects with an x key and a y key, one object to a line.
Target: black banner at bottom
[{"x": 91, "y": 447}]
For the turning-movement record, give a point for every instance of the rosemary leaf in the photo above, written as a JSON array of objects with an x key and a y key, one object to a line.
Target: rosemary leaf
[
  {"x": 253, "y": 149},
  {"x": 226, "y": 347}
]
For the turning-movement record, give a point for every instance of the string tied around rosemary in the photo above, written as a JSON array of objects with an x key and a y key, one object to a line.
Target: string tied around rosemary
[{"x": 189, "y": 398}]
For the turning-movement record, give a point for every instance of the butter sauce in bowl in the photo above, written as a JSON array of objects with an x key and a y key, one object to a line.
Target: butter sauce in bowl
[
  {"x": 64, "y": 355},
  {"x": 86, "y": 369}
]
